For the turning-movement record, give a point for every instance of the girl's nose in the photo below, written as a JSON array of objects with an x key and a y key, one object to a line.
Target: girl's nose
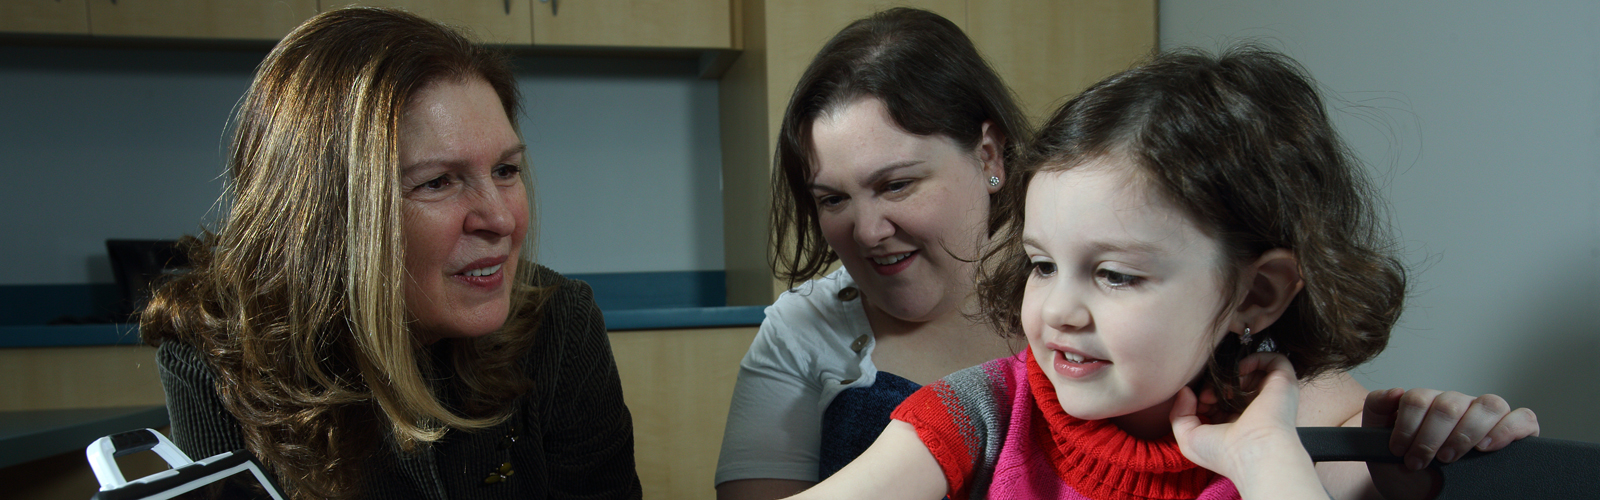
[{"x": 1063, "y": 308}]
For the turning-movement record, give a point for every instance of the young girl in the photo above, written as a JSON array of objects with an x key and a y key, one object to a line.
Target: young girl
[{"x": 1192, "y": 225}]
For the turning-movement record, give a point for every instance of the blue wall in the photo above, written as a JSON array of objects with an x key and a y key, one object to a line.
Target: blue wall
[{"x": 100, "y": 143}]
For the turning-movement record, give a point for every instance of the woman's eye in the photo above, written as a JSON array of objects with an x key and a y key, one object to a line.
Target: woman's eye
[
  {"x": 1044, "y": 269},
  {"x": 829, "y": 201},
  {"x": 1116, "y": 279},
  {"x": 897, "y": 186},
  {"x": 507, "y": 171},
  {"x": 435, "y": 184}
]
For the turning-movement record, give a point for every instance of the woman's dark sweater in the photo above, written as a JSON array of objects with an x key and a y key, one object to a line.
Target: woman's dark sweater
[{"x": 573, "y": 439}]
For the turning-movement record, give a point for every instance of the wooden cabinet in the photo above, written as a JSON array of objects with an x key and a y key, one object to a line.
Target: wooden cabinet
[
  {"x": 1049, "y": 50},
  {"x": 695, "y": 24},
  {"x": 489, "y": 21},
  {"x": 677, "y": 384},
  {"x": 679, "y": 24},
  {"x": 213, "y": 19},
  {"x": 45, "y": 16},
  {"x": 1043, "y": 49}
]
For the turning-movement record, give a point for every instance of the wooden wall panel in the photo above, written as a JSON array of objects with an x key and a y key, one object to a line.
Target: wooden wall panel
[{"x": 678, "y": 384}]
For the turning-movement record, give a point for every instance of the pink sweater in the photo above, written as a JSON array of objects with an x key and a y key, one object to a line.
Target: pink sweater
[{"x": 998, "y": 431}]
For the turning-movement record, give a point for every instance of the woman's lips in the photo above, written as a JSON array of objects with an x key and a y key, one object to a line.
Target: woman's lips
[
  {"x": 892, "y": 264},
  {"x": 1073, "y": 364},
  {"x": 486, "y": 273}
]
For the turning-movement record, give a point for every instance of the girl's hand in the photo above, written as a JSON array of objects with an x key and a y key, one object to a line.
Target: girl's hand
[
  {"x": 1429, "y": 424},
  {"x": 1267, "y": 423},
  {"x": 1260, "y": 450}
]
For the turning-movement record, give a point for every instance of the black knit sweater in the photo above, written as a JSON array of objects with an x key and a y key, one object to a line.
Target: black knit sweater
[{"x": 574, "y": 435}]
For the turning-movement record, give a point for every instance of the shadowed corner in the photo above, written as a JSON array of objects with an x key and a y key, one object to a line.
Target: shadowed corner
[{"x": 1557, "y": 362}]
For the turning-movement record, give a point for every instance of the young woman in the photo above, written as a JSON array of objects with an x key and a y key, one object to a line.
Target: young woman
[
  {"x": 896, "y": 147},
  {"x": 364, "y": 320}
]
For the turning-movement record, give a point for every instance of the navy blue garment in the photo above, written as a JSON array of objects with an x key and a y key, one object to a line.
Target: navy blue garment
[{"x": 856, "y": 417}]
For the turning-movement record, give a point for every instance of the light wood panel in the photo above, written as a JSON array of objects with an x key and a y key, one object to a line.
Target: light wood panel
[
  {"x": 487, "y": 21},
  {"x": 634, "y": 23},
  {"x": 53, "y": 378},
  {"x": 45, "y": 16},
  {"x": 1050, "y": 49},
  {"x": 50, "y": 378},
  {"x": 221, "y": 19},
  {"x": 745, "y": 131},
  {"x": 678, "y": 384}
]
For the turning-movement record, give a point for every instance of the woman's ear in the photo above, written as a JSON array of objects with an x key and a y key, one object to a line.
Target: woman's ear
[
  {"x": 991, "y": 154},
  {"x": 1271, "y": 283}
]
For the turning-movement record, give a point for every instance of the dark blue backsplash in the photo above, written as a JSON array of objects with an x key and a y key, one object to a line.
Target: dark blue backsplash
[
  {"x": 95, "y": 303},
  {"x": 58, "y": 304}
]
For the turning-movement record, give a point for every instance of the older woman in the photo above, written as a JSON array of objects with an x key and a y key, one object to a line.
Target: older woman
[
  {"x": 365, "y": 321},
  {"x": 898, "y": 141}
]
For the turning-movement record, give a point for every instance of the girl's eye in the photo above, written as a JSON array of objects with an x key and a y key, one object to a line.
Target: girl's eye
[
  {"x": 1117, "y": 280},
  {"x": 1044, "y": 269},
  {"x": 507, "y": 171}
]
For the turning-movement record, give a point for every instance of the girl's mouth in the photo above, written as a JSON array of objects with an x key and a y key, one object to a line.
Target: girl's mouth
[{"x": 1076, "y": 365}]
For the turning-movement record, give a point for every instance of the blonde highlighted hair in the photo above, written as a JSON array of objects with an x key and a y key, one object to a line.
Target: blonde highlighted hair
[{"x": 297, "y": 300}]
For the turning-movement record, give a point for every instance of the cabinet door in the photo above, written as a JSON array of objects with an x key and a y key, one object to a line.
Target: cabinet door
[
  {"x": 695, "y": 24},
  {"x": 1047, "y": 50},
  {"x": 488, "y": 21},
  {"x": 227, "y": 19},
  {"x": 45, "y": 16}
]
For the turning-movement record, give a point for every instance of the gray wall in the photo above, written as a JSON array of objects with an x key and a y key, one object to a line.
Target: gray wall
[
  {"x": 1481, "y": 121},
  {"x": 128, "y": 143}
]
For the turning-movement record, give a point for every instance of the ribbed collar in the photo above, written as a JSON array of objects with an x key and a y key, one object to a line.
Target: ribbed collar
[{"x": 1101, "y": 461}]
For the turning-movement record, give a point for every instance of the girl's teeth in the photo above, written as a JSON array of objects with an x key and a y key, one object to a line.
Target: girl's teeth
[
  {"x": 1074, "y": 358},
  {"x": 884, "y": 261},
  {"x": 484, "y": 271}
]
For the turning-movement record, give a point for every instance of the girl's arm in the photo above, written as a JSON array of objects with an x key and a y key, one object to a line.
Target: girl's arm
[
  {"x": 896, "y": 466},
  {"x": 1260, "y": 451}
]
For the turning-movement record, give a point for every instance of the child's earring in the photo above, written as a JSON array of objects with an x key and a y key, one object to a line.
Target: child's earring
[
  {"x": 1245, "y": 338},
  {"x": 994, "y": 181}
]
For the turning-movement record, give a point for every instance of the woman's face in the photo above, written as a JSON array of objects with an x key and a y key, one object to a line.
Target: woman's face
[
  {"x": 464, "y": 208},
  {"x": 895, "y": 206}
]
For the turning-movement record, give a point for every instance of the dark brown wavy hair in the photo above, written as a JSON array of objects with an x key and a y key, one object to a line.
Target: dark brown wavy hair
[
  {"x": 1242, "y": 145},
  {"x": 932, "y": 81},
  {"x": 297, "y": 300}
]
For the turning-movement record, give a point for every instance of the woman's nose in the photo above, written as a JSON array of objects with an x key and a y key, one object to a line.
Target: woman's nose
[
  {"x": 493, "y": 211},
  {"x": 872, "y": 225}
]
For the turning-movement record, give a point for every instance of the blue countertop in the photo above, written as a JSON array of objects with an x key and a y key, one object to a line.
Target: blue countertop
[
  {"x": 616, "y": 320},
  {"x": 30, "y": 435},
  {"x": 629, "y": 301}
]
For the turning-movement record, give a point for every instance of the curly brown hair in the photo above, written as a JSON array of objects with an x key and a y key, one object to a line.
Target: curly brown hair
[
  {"x": 932, "y": 81},
  {"x": 1242, "y": 144},
  {"x": 296, "y": 301}
]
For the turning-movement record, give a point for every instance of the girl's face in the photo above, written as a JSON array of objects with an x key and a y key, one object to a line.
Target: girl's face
[
  {"x": 1120, "y": 308},
  {"x": 465, "y": 212},
  {"x": 894, "y": 206}
]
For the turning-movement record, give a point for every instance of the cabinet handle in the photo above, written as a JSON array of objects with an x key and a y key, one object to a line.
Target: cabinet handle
[
  {"x": 555, "y": 6},
  {"x": 508, "y": 7}
]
